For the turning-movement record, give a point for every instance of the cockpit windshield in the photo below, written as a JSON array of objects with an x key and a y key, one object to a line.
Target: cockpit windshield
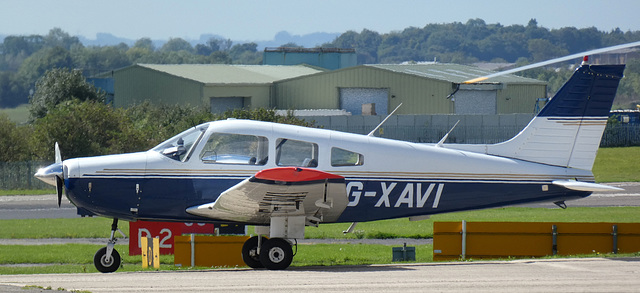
[{"x": 181, "y": 146}]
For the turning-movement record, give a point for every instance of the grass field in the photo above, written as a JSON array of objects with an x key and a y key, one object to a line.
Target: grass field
[
  {"x": 77, "y": 258},
  {"x": 617, "y": 164},
  {"x": 397, "y": 228},
  {"x": 18, "y": 115}
]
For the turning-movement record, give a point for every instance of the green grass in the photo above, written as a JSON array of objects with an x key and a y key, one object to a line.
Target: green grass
[
  {"x": 95, "y": 227},
  {"x": 98, "y": 227},
  {"x": 27, "y": 192},
  {"x": 617, "y": 164},
  {"x": 352, "y": 254},
  {"x": 65, "y": 258},
  {"x": 78, "y": 258},
  {"x": 18, "y": 115}
]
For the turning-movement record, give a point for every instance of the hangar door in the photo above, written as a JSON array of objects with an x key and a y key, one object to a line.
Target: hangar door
[
  {"x": 474, "y": 101},
  {"x": 220, "y": 105},
  {"x": 351, "y": 99}
]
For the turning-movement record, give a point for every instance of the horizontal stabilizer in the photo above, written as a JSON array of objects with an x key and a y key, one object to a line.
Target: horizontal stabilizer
[{"x": 584, "y": 186}]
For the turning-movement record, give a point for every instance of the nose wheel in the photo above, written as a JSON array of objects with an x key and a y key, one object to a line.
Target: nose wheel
[{"x": 107, "y": 259}]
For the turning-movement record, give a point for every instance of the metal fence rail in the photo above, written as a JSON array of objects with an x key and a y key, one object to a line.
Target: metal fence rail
[{"x": 19, "y": 175}]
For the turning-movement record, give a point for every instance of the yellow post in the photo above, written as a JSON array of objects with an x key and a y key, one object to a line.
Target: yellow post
[
  {"x": 144, "y": 247},
  {"x": 156, "y": 252}
]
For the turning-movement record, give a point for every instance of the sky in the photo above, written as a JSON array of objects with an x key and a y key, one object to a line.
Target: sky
[{"x": 254, "y": 20}]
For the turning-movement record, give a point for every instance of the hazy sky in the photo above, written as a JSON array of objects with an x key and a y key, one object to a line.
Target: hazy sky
[{"x": 261, "y": 20}]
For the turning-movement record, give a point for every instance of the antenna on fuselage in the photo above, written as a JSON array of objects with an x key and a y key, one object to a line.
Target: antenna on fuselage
[
  {"x": 383, "y": 121},
  {"x": 444, "y": 138}
]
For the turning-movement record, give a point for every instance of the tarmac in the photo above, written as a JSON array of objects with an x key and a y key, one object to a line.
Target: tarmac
[{"x": 542, "y": 275}]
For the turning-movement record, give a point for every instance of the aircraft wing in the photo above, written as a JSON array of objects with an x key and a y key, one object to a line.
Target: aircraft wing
[{"x": 282, "y": 191}]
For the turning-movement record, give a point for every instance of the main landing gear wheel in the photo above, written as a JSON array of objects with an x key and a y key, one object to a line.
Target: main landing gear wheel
[
  {"x": 276, "y": 254},
  {"x": 104, "y": 263},
  {"x": 250, "y": 254}
]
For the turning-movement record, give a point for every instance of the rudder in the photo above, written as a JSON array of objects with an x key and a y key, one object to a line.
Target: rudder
[{"x": 568, "y": 130}]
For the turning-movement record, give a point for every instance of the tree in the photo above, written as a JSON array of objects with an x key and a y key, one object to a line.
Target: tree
[
  {"x": 94, "y": 60},
  {"x": 85, "y": 128},
  {"x": 14, "y": 145},
  {"x": 58, "y": 38},
  {"x": 145, "y": 43},
  {"x": 14, "y": 45},
  {"x": 245, "y": 54},
  {"x": 38, "y": 63},
  {"x": 220, "y": 57},
  {"x": 177, "y": 44},
  {"x": 542, "y": 50},
  {"x": 12, "y": 92},
  {"x": 156, "y": 123},
  {"x": 59, "y": 85}
]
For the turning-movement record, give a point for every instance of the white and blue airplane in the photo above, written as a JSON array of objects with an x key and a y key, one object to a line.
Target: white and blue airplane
[{"x": 282, "y": 178}]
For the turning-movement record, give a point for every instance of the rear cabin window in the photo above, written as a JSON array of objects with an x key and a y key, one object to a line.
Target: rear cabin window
[
  {"x": 341, "y": 157},
  {"x": 229, "y": 148},
  {"x": 298, "y": 153}
]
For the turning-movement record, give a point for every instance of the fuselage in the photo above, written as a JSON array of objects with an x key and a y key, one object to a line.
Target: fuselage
[{"x": 384, "y": 178}]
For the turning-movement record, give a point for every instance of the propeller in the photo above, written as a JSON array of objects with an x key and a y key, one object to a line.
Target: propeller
[
  {"x": 553, "y": 61},
  {"x": 53, "y": 174},
  {"x": 59, "y": 181}
]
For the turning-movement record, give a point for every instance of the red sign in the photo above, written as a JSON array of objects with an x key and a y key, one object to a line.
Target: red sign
[{"x": 165, "y": 231}]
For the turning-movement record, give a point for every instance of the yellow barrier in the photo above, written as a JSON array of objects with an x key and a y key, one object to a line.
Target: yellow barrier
[
  {"x": 150, "y": 252},
  {"x": 209, "y": 251},
  {"x": 460, "y": 240}
]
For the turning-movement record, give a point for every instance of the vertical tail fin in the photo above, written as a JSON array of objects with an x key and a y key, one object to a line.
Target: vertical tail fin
[{"x": 568, "y": 130}]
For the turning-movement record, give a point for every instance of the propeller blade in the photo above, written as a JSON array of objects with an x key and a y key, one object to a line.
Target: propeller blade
[
  {"x": 553, "y": 61},
  {"x": 59, "y": 185},
  {"x": 57, "y": 153}
]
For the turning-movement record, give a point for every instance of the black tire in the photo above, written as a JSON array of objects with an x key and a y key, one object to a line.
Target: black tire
[
  {"x": 102, "y": 265},
  {"x": 250, "y": 254},
  {"x": 276, "y": 254}
]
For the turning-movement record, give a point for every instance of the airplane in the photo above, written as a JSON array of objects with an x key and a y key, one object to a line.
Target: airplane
[{"x": 282, "y": 178}]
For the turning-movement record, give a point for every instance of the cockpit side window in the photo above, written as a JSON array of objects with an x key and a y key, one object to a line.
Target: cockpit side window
[
  {"x": 291, "y": 152},
  {"x": 341, "y": 157},
  {"x": 230, "y": 148},
  {"x": 181, "y": 146}
]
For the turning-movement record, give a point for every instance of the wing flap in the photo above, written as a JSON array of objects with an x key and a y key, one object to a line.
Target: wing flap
[{"x": 284, "y": 191}]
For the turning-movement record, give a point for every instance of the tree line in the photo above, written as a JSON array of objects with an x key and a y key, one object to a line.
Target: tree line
[{"x": 24, "y": 59}]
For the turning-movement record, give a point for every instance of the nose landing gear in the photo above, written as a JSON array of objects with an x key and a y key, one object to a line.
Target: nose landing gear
[{"x": 107, "y": 259}]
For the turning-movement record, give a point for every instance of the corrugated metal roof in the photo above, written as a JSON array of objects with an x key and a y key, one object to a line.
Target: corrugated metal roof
[
  {"x": 232, "y": 74},
  {"x": 452, "y": 72}
]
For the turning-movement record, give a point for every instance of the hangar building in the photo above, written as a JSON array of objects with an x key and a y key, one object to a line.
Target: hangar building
[
  {"x": 422, "y": 88},
  {"x": 219, "y": 87}
]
